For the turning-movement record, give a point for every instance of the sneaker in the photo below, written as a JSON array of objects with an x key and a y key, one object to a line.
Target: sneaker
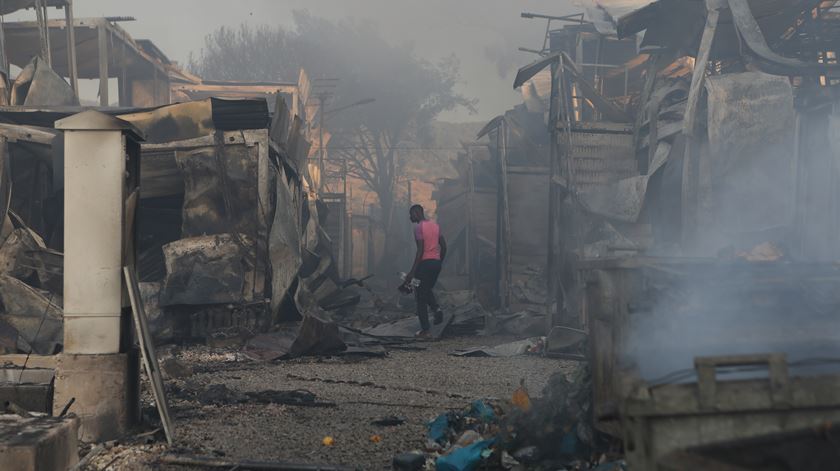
[
  {"x": 438, "y": 317},
  {"x": 423, "y": 334}
]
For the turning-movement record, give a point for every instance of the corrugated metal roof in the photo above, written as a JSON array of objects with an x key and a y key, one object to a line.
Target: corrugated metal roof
[{"x": 604, "y": 13}]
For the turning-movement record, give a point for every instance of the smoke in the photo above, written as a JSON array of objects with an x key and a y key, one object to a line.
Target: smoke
[
  {"x": 762, "y": 288},
  {"x": 436, "y": 28}
]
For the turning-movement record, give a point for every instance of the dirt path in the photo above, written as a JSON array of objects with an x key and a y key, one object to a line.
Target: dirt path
[{"x": 415, "y": 385}]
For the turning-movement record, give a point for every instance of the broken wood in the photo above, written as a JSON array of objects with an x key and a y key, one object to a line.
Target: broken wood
[{"x": 212, "y": 462}]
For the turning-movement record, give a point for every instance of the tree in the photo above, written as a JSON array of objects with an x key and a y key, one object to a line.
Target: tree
[{"x": 409, "y": 91}]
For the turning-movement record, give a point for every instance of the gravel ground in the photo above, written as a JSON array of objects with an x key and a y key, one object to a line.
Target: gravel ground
[{"x": 415, "y": 385}]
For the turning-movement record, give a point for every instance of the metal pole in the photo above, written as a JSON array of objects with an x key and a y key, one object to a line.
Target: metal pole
[
  {"x": 102, "y": 36},
  {"x": 72, "y": 66},
  {"x": 47, "y": 29},
  {"x": 4, "y": 63},
  {"x": 43, "y": 32},
  {"x": 322, "y": 177},
  {"x": 551, "y": 269}
]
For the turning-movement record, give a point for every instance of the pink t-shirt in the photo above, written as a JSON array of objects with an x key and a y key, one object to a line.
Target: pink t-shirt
[{"x": 429, "y": 233}]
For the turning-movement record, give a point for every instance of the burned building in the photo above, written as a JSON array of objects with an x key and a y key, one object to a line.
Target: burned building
[{"x": 682, "y": 216}]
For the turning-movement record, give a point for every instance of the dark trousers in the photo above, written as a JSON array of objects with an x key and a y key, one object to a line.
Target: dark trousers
[{"x": 427, "y": 272}]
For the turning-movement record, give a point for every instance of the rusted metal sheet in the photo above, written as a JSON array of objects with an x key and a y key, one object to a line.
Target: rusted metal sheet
[
  {"x": 210, "y": 269},
  {"x": 601, "y": 153}
]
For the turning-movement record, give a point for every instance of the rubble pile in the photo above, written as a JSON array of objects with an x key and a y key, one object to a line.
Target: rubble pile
[
  {"x": 230, "y": 236},
  {"x": 553, "y": 431}
]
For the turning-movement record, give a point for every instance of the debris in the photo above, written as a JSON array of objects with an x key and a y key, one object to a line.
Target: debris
[
  {"x": 221, "y": 395},
  {"x": 763, "y": 252},
  {"x": 525, "y": 323},
  {"x": 37, "y": 317},
  {"x": 297, "y": 397},
  {"x": 390, "y": 421},
  {"x": 313, "y": 336},
  {"x": 467, "y": 438},
  {"x": 375, "y": 438},
  {"x": 208, "y": 270},
  {"x": 38, "y": 85},
  {"x": 562, "y": 339},
  {"x": 531, "y": 287},
  {"x": 520, "y": 397},
  {"x": 438, "y": 429},
  {"x": 527, "y": 455},
  {"x": 212, "y": 462},
  {"x": 409, "y": 462},
  {"x": 328, "y": 441},
  {"x": 147, "y": 350},
  {"x": 16, "y": 409},
  {"x": 175, "y": 368},
  {"x": 533, "y": 345},
  {"x": 464, "y": 459},
  {"x": 407, "y": 327}
]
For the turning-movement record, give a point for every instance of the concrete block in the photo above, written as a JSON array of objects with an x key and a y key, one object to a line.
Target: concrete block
[
  {"x": 106, "y": 388},
  {"x": 38, "y": 444}
]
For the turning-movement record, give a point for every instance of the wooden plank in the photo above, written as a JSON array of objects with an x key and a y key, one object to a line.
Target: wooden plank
[
  {"x": 147, "y": 349},
  {"x": 34, "y": 361}
]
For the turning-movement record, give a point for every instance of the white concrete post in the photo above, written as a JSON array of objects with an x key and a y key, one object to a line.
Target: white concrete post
[
  {"x": 94, "y": 369},
  {"x": 94, "y": 205}
]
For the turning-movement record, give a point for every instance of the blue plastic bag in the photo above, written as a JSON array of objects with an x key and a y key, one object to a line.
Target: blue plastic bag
[
  {"x": 481, "y": 410},
  {"x": 438, "y": 428}
]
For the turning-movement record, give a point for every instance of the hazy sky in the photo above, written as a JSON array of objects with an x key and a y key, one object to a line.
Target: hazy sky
[{"x": 484, "y": 34}]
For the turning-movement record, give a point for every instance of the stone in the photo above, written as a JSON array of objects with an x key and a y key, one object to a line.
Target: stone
[
  {"x": 37, "y": 443},
  {"x": 106, "y": 388}
]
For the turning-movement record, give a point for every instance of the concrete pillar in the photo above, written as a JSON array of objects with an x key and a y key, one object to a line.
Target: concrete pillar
[{"x": 97, "y": 366}]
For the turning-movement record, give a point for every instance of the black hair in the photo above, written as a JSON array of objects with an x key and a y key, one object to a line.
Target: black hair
[{"x": 417, "y": 208}]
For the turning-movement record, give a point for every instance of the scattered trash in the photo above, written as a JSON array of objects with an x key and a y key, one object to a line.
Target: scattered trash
[
  {"x": 375, "y": 438},
  {"x": 175, "y": 368},
  {"x": 464, "y": 459},
  {"x": 328, "y": 441},
  {"x": 438, "y": 429},
  {"x": 390, "y": 421},
  {"x": 764, "y": 252},
  {"x": 532, "y": 346},
  {"x": 527, "y": 455},
  {"x": 520, "y": 397},
  {"x": 409, "y": 462}
]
